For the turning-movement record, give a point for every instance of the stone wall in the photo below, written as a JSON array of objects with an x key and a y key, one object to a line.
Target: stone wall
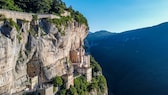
[
  {"x": 16, "y": 15},
  {"x": 25, "y": 16}
]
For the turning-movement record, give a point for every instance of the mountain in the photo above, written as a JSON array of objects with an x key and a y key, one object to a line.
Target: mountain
[
  {"x": 99, "y": 35},
  {"x": 134, "y": 62},
  {"x": 42, "y": 53},
  {"x": 94, "y": 38}
]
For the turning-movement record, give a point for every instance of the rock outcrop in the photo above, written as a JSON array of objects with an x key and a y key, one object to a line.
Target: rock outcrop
[{"x": 34, "y": 46}]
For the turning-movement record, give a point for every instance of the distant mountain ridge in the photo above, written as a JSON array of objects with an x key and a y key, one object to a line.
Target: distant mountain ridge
[
  {"x": 135, "y": 62},
  {"x": 97, "y": 36}
]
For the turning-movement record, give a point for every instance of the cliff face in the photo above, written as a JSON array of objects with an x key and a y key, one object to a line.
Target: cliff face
[{"x": 36, "y": 47}]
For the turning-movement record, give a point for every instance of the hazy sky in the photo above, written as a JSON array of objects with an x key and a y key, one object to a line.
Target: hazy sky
[{"x": 121, "y": 15}]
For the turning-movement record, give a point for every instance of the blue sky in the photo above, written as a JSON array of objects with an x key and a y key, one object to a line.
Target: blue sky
[{"x": 121, "y": 15}]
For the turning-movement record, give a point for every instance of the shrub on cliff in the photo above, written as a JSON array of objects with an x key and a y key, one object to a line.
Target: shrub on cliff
[
  {"x": 42, "y": 6},
  {"x": 101, "y": 83},
  {"x": 57, "y": 81},
  {"x": 95, "y": 66},
  {"x": 35, "y": 6},
  {"x": 72, "y": 91},
  {"x": 81, "y": 85},
  {"x": 9, "y": 4}
]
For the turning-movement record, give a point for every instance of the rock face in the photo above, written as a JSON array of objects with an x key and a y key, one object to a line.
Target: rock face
[{"x": 29, "y": 48}]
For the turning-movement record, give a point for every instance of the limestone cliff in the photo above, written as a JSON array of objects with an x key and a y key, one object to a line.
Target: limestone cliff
[{"x": 31, "y": 45}]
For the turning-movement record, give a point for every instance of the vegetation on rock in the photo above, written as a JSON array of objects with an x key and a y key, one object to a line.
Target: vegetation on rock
[
  {"x": 82, "y": 87},
  {"x": 56, "y": 7},
  {"x": 98, "y": 81},
  {"x": 95, "y": 66},
  {"x": 63, "y": 21},
  {"x": 9, "y": 4},
  {"x": 57, "y": 81}
]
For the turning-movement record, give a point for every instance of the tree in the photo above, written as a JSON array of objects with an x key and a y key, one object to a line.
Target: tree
[
  {"x": 57, "y": 7},
  {"x": 36, "y": 6},
  {"x": 44, "y": 6},
  {"x": 101, "y": 83},
  {"x": 81, "y": 85},
  {"x": 9, "y": 4},
  {"x": 70, "y": 9},
  {"x": 62, "y": 92},
  {"x": 93, "y": 85},
  {"x": 57, "y": 81},
  {"x": 72, "y": 91},
  {"x": 95, "y": 66}
]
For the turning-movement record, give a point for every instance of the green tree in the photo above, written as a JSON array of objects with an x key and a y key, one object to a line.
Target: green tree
[
  {"x": 57, "y": 7},
  {"x": 95, "y": 66},
  {"x": 72, "y": 91},
  {"x": 62, "y": 92},
  {"x": 9, "y": 4},
  {"x": 70, "y": 9},
  {"x": 93, "y": 85},
  {"x": 101, "y": 83},
  {"x": 81, "y": 85},
  {"x": 57, "y": 81},
  {"x": 36, "y": 6},
  {"x": 44, "y": 6}
]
